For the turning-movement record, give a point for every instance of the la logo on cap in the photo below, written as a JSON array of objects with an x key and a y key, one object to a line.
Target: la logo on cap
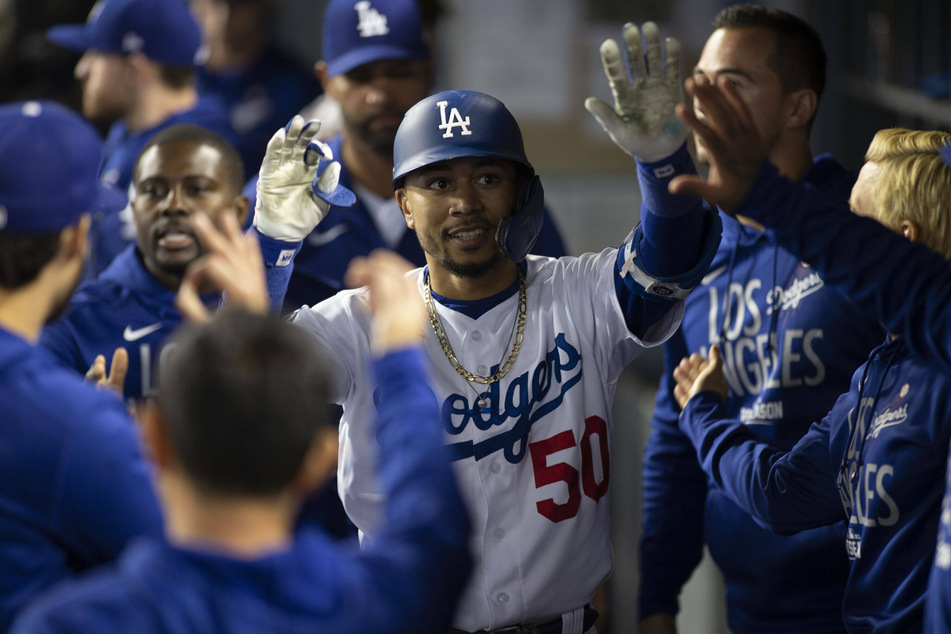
[
  {"x": 372, "y": 22},
  {"x": 132, "y": 42},
  {"x": 455, "y": 119}
]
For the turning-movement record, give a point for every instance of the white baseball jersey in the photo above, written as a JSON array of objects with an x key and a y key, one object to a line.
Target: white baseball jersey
[{"x": 535, "y": 471}]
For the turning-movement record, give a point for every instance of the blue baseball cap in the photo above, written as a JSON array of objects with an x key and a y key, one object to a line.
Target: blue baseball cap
[
  {"x": 162, "y": 30},
  {"x": 49, "y": 161},
  {"x": 357, "y": 32}
]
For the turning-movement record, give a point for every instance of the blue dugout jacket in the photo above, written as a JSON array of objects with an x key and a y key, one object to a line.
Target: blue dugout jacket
[{"x": 405, "y": 581}]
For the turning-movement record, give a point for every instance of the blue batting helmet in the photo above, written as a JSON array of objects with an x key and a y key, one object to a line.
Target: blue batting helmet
[{"x": 463, "y": 123}]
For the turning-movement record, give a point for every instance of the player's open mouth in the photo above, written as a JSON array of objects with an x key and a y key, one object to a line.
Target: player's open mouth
[
  {"x": 176, "y": 240},
  {"x": 469, "y": 237}
]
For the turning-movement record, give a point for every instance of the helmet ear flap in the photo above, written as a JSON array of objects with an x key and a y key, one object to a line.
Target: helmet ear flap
[{"x": 518, "y": 234}]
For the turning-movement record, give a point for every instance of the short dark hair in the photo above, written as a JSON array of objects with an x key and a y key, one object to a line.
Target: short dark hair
[
  {"x": 190, "y": 133},
  {"x": 23, "y": 256},
  {"x": 799, "y": 59},
  {"x": 242, "y": 398},
  {"x": 176, "y": 77}
]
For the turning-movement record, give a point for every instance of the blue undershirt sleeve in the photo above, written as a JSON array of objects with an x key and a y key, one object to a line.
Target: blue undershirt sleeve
[
  {"x": 279, "y": 264},
  {"x": 673, "y": 241}
]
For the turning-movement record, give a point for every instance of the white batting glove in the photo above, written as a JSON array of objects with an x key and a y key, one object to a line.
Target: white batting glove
[
  {"x": 642, "y": 122},
  {"x": 291, "y": 199}
]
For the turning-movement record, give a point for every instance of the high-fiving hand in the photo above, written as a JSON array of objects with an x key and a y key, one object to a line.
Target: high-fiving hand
[
  {"x": 291, "y": 197},
  {"x": 695, "y": 374},
  {"x": 643, "y": 122}
]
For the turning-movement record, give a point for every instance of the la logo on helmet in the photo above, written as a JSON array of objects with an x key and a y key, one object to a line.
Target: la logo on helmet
[
  {"x": 455, "y": 119},
  {"x": 372, "y": 22}
]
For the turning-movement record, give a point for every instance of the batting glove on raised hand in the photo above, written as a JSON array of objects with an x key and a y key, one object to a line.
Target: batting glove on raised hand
[
  {"x": 642, "y": 122},
  {"x": 291, "y": 197}
]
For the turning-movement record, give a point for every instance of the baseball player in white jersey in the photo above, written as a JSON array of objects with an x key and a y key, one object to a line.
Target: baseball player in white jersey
[{"x": 525, "y": 351}]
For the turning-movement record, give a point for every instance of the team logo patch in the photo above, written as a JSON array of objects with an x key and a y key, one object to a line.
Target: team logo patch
[
  {"x": 32, "y": 109},
  {"x": 455, "y": 120},
  {"x": 285, "y": 257},
  {"x": 132, "y": 42},
  {"x": 887, "y": 418},
  {"x": 372, "y": 22}
]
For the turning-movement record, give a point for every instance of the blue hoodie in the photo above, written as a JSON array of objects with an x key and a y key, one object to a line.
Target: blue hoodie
[
  {"x": 126, "y": 306},
  {"x": 74, "y": 488},
  {"x": 880, "y": 454},
  {"x": 790, "y": 344},
  {"x": 905, "y": 285},
  {"x": 407, "y": 580}
]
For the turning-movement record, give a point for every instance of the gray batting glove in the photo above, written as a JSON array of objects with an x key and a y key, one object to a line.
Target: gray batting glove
[
  {"x": 291, "y": 197},
  {"x": 642, "y": 122}
]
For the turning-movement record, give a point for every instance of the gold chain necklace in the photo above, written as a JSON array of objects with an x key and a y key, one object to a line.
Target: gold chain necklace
[{"x": 447, "y": 348}]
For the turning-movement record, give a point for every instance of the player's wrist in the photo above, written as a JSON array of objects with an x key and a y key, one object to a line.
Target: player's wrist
[{"x": 276, "y": 252}]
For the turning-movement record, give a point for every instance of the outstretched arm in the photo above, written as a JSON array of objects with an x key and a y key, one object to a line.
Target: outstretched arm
[
  {"x": 785, "y": 491},
  {"x": 905, "y": 285},
  {"x": 297, "y": 185},
  {"x": 669, "y": 251},
  {"x": 417, "y": 564}
]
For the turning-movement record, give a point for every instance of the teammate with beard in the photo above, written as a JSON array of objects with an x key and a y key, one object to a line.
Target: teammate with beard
[
  {"x": 184, "y": 170},
  {"x": 74, "y": 488},
  {"x": 525, "y": 351},
  {"x": 376, "y": 64}
]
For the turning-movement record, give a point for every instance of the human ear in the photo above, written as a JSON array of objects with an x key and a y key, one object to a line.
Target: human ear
[
  {"x": 801, "y": 106},
  {"x": 909, "y": 229},
  {"x": 403, "y": 201},
  {"x": 319, "y": 462}
]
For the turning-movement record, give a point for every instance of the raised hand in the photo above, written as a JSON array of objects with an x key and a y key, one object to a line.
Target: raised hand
[
  {"x": 643, "y": 122},
  {"x": 399, "y": 316},
  {"x": 696, "y": 374},
  {"x": 291, "y": 196},
  {"x": 734, "y": 147},
  {"x": 113, "y": 380},
  {"x": 232, "y": 264}
]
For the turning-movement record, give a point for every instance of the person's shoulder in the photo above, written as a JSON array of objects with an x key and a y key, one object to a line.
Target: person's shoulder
[
  {"x": 830, "y": 178},
  {"x": 102, "y": 601},
  {"x": 541, "y": 267}
]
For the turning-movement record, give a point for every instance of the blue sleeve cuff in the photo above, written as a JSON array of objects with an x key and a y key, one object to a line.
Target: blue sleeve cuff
[
  {"x": 279, "y": 264},
  {"x": 654, "y": 177},
  {"x": 399, "y": 368},
  {"x": 277, "y": 253}
]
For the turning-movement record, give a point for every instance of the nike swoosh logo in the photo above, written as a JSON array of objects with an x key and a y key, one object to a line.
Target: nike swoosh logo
[
  {"x": 130, "y": 334},
  {"x": 316, "y": 239},
  {"x": 714, "y": 274}
]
